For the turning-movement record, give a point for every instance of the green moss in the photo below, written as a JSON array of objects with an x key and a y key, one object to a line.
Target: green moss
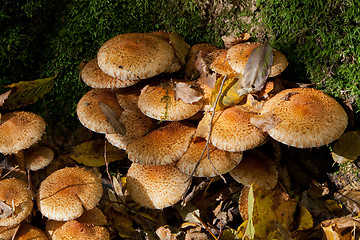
[{"x": 321, "y": 40}]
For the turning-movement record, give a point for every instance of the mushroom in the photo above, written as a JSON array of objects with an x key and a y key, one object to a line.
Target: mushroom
[
  {"x": 302, "y": 117},
  {"x": 162, "y": 146},
  {"x": 7, "y": 233},
  {"x": 15, "y": 201},
  {"x": 90, "y": 225},
  {"x": 90, "y": 114},
  {"x": 65, "y": 193},
  {"x": 135, "y": 56},
  {"x": 94, "y": 77},
  {"x": 217, "y": 62},
  {"x": 217, "y": 162},
  {"x": 38, "y": 157},
  {"x": 27, "y": 231},
  {"x": 156, "y": 187},
  {"x": 233, "y": 132},
  {"x": 239, "y": 54},
  {"x": 257, "y": 168},
  {"x": 158, "y": 102}
]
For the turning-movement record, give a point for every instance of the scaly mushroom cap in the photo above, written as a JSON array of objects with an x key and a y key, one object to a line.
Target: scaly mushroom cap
[
  {"x": 94, "y": 77},
  {"x": 156, "y": 187},
  {"x": 7, "y": 233},
  {"x": 66, "y": 192},
  {"x": 135, "y": 56},
  {"x": 158, "y": 102},
  {"x": 26, "y": 232},
  {"x": 136, "y": 124},
  {"x": 239, "y": 54},
  {"x": 220, "y": 161},
  {"x": 257, "y": 168},
  {"x": 305, "y": 117},
  {"x": 217, "y": 61},
  {"x": 15, "y": 194},
  {"x": 89, "y": 226},
  {"x": 19, "y": 130},
  {"x": 190, "y": 68},
  {"x": 162, "y": 146},
  {"x": 38, "y": 157},
  {"x": 233, "y": 132},
  {"x": 91, "y": 116}
]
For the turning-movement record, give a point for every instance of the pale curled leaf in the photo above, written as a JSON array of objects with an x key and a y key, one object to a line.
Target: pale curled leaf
[
  {"x": 184, "y": 92},
  {"x": 5, "y": 210},
  {"x": 205, "y": 76},
  {"x": 230, "y": 41},
  {"x": 118, "y": 187},
  {"x": 257, "y": 69},
  {"x": 265, "y": 122},
  {"x": 4, "y": 96},
  {"x": 113, "y": 118},
  {"x": 347, "y": 147},
  {"x": 203, "y": 127}
]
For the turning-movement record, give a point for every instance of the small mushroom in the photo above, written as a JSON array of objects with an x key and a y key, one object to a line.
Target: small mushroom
[
  {"x": 65, "y": 193},
  {"x": 162, "y": 146},
  {"x": 217, "y": 61},
  {"x": 38, "y": 157},
  {"x": 15, "y": 201},
  {"x": 217, "y": 162},
  {"x": 90, "y": 225},
  {"x": 156, "y": 187},
  {"x": 94, "y": 77}
]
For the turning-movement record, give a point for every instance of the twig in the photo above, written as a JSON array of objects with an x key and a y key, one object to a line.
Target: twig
[
  {"x": 208, "y": 139},
  {"x": 16, "y": 166}
]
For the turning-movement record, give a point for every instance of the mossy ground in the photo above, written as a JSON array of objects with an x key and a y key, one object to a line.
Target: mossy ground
[{"x": 41, "y": 37}]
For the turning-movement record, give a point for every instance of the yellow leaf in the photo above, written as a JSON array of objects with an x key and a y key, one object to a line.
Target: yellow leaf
[
  {"x": 123, "y": 224},
  {"x": 347, "y": 147},
  {"x": 270, "y": 212},
  {"x": 229, "y": 96},
  {"x": 27, "y": 92},
  {"x": 306, "y": 220},
  {"x": 92, "y": 153},
  {"x": 180, "y": 46},
  {"x": 332, "y": 205}
]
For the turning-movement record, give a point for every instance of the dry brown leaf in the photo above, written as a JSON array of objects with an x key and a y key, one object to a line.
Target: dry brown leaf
[
  {"x": 205, "y": 76},
  {"x": 347, "y": 147},
  {"x": 113, "y": 118},
  {"x": 187, "y": 94},
  {"x": 265, "y": 122},
  {"x": 4, "y": 96},
  {"x": 164, "y": 233},
  {"x": 5, "y": 210},
  {"x": 181, "y": 47},
  {"x": 230, "y": 41},
  {"x": 341, "y": 228}
]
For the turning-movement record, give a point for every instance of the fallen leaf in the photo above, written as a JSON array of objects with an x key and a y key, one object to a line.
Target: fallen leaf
[
  {"x": 205, "y": 76},
  {"x": 305, "y": 219},
  {"x": 189, "y": 213},
  {"x": 5, "y": 210},
  {"x": 257, "y": 70},
  {"x": 347, "y": 147},
  {"x": 4, "y": 96},
  {"x": 252, "y": 104},
  {"x": 113, "y": 118},
  {"x": 118, "y": 188},
  {"x": 265, "y": 122},
  {"x": 164, "y": 233},
  {"x": 123, "y": 224},
  {"x": 203, "y": 127},
  {"x": 270, "y": 212},
  {"x": 187, "y": 94},
  {"x": 92, "y": 153},
  {"x": 27, "y": 92},
  {"x": 341, "y": 228},
  {"x": 181, "y": 47},
  {"x": 230, "y": 41}
]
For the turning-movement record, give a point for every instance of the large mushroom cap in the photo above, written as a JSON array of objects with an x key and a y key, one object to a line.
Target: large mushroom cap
[
  {"x": 89, "y": 226},
  {"x": 162, "y": 146},
  {"x": 232, "y": 130},
  {"x": 257, "y": 168},
  {"x": 28, "y": 232},
  {"x": 156, "y": 187},
  {"x": 90, "y": 114},
  {"x": 303, "y": 118},
  {"x": 19, "y": 130},
  {"x": 66, "y": 192},
  {"x": 94, "y": 77},
  {"x": 159, "y": 102},
  {"x": 135, "y": 56},
  {"x": 15, "y": 194},
  {"x": 220, "y": 161}
]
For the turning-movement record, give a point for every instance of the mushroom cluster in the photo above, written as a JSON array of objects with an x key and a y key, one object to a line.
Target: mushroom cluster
[{"x": 154, "y": 111}]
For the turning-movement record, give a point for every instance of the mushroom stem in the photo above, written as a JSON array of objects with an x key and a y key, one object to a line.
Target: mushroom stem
[{"x": 19, "y": 159}]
